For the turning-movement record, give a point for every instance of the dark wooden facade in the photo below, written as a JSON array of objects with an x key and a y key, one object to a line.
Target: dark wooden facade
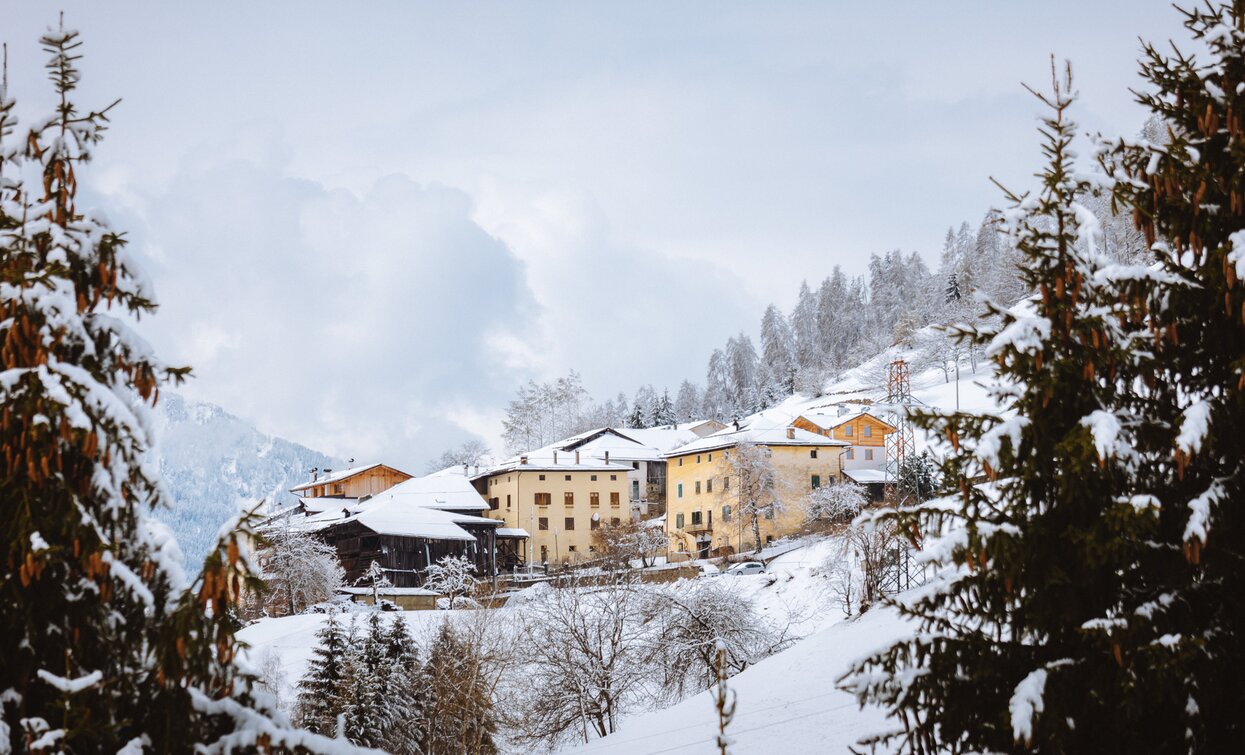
[{"x": 405, "y": 559}]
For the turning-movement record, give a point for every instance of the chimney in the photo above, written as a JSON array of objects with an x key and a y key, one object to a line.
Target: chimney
[
  {"x": 577, "y": 457},
  {"x": 464, "y": 470},
  {"x": 315, "y": 473},
  {"x": 523, "y": 459},
  {"x": 607, "y": 457},
  {"x": 477, "y": 469},
  {"x": 842, "y": 409},
  {"x": 555, "y": 457},
  {"x": 790, "y": 433},
  {"x": 736, "y": 425}
]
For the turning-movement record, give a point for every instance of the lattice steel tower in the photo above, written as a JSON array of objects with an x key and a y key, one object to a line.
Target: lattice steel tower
[{"x": 900, "y": 445}]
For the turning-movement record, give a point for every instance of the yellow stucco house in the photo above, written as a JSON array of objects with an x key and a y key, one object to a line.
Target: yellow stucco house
[
  {"x": 702, "y": 512},
  {"x": 559, "y": 498}
]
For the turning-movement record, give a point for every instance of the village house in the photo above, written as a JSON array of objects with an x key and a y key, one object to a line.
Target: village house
[
  {"x": 702, "y": 513},
  {"x": 559, "y": 497},
  {"x": 644, "y": 450},
  {"x": 864, "y": 462},
  {"x": 356, "y": 482},
  {"x": 409, "y": 526}
]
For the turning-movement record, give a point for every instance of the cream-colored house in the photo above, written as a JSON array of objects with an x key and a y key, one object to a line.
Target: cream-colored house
[
  {"x": 559, "y": 498},
  {"x": 702, "y": 511}
]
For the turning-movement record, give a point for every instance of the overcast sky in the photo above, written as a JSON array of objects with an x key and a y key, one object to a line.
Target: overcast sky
[{"x": 368, "y": 222}]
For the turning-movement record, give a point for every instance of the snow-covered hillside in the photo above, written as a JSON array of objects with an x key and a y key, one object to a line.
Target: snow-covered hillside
[
  {"x": 787, "y": 703},
  {"x": 214, "y": 462}
]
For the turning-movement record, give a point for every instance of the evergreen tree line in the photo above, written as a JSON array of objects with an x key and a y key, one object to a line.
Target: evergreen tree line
[
  {"x": 1092, "y": 597},
  {"x": 841, "y": 323},
  {"x": 371, "y": 687}
]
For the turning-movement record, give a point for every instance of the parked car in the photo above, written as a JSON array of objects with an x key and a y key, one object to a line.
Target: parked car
[
  {"x": 709, "y": 570},
  {"x": 746, "y": 567}
]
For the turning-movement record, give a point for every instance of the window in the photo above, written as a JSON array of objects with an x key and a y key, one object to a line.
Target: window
[
  {"x": 698, "y": 458},
  {"x": 769, "y": 539},
  {"x": 680, "y": 490},
  {"x": 594, "y": 478},
  {"x": 816, "y": 481},
  {"x": 542, "y": 477},
  {"x": 709, "y": 485},
  {"x": 493, "y": 503},
  {"x": 682, "y": 547},
  {"x": 848, "y": 431},
  {"x": 542, "y": 523},
  {"x": 613, "y": 478},
  {"x": 635, "y": 490},
  {"x": 635, "y": 465},
  {"x": 544, "y": 553},
  {"x": 594, "y": 524},
  {"x": 570, "y": 523},
  {"x": 507, "y": 500},
  {"x": 592, "y": 549},
  {"x": 850, "y": 454},
  {"x": 769, "y": 513},
  {"x": 680, "y": 461},
  {"x": 812, "y": 454},
  {"x": 568, "y": 478},
  {"x": 868, "y": 431},
  {"x": 594, "y": 499},
  {"x": 571, "y": 549},
  {"x": 614, "y": 499},
  {"x": 698, "y": 487},
  {"x": 678, "y": 521},
  {"x": 544, "y": 499},
  {"x": 726, "y": 482},
  {"x": 696, "y": 520},
  {"x": 868, "y": 454},
  {"x": 726, "y": 513},
  {"x": 710, "y": 457},
  {"x": 568, "y": 498}
]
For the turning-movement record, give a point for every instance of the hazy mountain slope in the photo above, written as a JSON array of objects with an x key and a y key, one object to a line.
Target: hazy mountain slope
[{"x": 214, "y": 462}]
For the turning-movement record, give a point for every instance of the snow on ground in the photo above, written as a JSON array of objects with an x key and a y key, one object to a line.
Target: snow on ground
[{"x": 787, "y": 703}]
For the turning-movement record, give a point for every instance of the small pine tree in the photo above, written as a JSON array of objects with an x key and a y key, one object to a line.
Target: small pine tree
[
  {"x": 460, "y": 709},
  {"x": 407, "y": 692},
  {"x": 320, "y": 691},
  {"x": 368, "y": 694}
]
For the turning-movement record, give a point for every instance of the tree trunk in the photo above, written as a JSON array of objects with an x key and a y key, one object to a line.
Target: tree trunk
[{"x": 756, "y": 530}]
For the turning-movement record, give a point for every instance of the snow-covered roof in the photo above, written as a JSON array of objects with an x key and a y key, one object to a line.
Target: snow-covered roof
[
  {"x": 779, "y": 435},
  {"x": 387, "y": 591},
  {"x": 326, "y": 503},
  {"x": 444, "y": 491},
  {"x": 339, "y": 476},
  {"x": 828, "y": 421},
  {"x": 390, "y": 517},
  {"x": 866, "y": 476},
  {"x": 553, "y": 458},
  {"x": 516, "y": 532}
]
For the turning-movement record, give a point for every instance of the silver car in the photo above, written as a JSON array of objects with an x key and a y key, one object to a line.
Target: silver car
[{"x": 747, "y": 567}]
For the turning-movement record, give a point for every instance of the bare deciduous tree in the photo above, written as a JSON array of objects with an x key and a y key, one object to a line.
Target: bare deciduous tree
[
  {"x": 590, "y": 660},
  {"x": 299, "y": 569},
  {"x": 620, "y": 544},
  {"x": 750, "y": 468}
]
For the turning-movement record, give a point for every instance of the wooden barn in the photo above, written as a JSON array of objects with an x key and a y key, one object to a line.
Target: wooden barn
[{"x": 356, "y": 482}]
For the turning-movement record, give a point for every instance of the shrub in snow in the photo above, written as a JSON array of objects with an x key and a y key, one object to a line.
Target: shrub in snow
[
  {"x": 836, "y": 502},
  {"x": 451, "y": 576}
]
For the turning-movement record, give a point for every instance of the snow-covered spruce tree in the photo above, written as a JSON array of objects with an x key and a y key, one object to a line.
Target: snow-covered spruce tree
[
  {"x": 369, "y": 694},
  {"x": 320, "y": 691},
  {"x": 105, "y": 643},
  {"x": 1010, "y": 656},
  {"x": 407, "y": 692},
  {"x": 1187, "y": 195}
]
